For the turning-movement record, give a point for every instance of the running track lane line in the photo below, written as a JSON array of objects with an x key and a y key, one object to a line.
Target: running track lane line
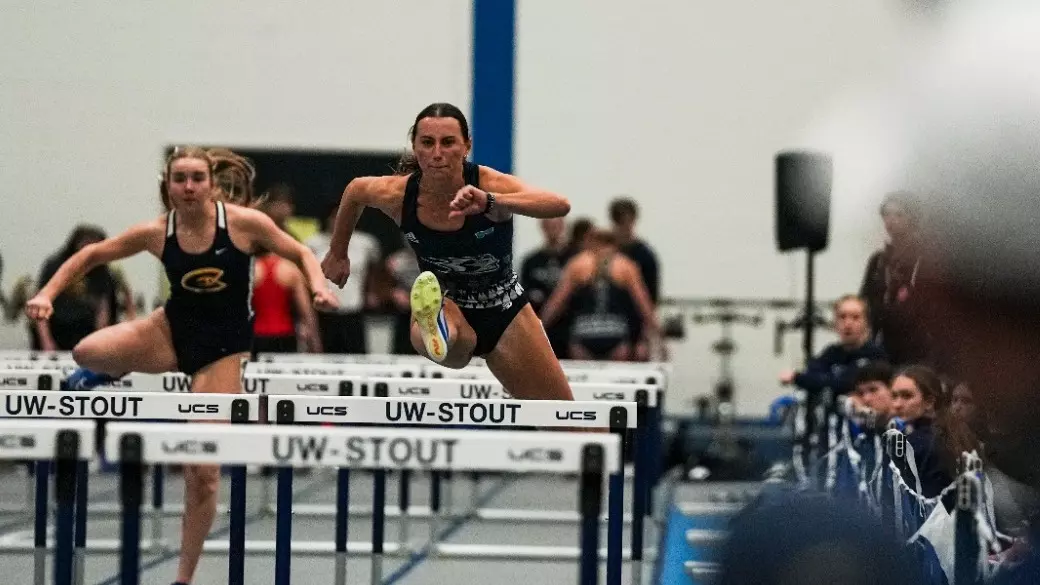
[
  {"x": 416, "y": 559},
  {"x": 222, "y": 531}
]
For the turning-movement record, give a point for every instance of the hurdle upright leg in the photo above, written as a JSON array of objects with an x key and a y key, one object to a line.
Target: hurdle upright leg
[
  {"x": 616, "y": 506},
  {"x": 448, "y": 493},
  {"x": 158, "y": 484},
  {"x": 78, "y": 553},
  {"x": 283, "y": 527},
  {"x": 590, "y": 498},
  {"x": 66, "y": 459},
  {"x": 342, "y": 519},
  {"x": 435, "y": 505},
  {"x": 404, "y": 495},
  {"x": 131, "y": 495},
  {"x": 640, "y": 487},
  {"x": 237, "y": 527},
  {"x": 378, "y": 524},
  {"x": 43, "y": 472}
]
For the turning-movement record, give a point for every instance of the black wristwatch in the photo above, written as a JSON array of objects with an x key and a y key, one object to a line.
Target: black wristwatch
[{"x": 490, "y": 202}]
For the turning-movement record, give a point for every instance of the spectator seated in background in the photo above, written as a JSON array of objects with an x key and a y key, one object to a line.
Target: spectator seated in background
[
  {"x": 84, "y": 306},
  {"x": 871, "y": 396},
  {"x": 836, "y": 366},
  {"x": 917, "y": 399}
]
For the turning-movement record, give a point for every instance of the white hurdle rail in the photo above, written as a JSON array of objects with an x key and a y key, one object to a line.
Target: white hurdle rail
[
  {"x": 595, "y": 457},
  {"x": 20, "y": 406},
  {"x": 68, "y": 444}
]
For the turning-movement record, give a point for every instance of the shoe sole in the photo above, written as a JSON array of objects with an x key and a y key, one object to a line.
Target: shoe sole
[{"x": 426, "y": 301}]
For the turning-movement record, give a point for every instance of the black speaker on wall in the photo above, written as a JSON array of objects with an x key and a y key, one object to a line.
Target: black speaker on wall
[{"x": 803, "y": 200}]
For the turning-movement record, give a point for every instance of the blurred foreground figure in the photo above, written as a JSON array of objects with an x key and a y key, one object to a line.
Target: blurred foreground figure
[
  {"x": 974, "y": 150},
  {"x": 972, "y": 143},
  {"x": 788, "y": 538}
]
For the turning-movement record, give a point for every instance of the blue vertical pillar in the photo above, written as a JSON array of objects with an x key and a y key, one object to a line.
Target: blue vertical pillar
[{"x": 494, "y": 59}]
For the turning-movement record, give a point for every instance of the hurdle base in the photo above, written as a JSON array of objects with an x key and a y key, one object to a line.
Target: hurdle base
[
  {"x": 328, "y": 548},
  {"x": 424, "y": 512},
  {"x": 172, "y": 510}
]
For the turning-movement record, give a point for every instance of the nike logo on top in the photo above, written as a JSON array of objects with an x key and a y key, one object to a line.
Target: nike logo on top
[
  {"x": 486, "y": 232},
  {"x": 221, "y": 251}
]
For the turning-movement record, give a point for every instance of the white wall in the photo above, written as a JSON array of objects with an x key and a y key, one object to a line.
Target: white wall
[
  {"x": 680, "y": 104},
  {"x": 683, "y": 106},
  {"x": 92, "y": 94}
]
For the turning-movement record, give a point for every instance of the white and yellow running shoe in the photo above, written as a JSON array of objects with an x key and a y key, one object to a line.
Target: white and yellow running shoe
[{"x": 428, "y": 312}]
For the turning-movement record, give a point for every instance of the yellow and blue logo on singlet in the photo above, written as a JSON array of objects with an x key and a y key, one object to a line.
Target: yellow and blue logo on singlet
[{"x": 204, "y": 280}]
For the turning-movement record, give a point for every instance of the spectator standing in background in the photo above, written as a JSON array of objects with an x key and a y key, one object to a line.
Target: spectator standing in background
[
  {"x": 344, "y": 330},
  {"x": 279, "y": 203},
  {"x": 623, "y": 214},
  {"x": 539, "y": 275},
  {"x": 890, "y": 282},
  {"x": 577, "y": 240},
  {"x": 403, "y": 269},
  {"x": 85, "y": 306}
]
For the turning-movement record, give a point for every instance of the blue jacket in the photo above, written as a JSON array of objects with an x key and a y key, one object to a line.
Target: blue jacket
[{"x": 836, "y": 366}]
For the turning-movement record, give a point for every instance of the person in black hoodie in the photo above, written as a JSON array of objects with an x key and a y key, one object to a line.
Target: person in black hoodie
[
  {"x": 836, "y": 366},
  {"x": 890, "y": 284}
]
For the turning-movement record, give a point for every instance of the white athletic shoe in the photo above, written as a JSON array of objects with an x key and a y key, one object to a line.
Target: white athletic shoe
[{"x": 428, "y": 312}]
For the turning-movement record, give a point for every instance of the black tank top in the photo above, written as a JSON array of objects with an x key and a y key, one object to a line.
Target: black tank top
[
  {"x": 216, "y": 284},
  {"x": 601, "y": 309},
  {"x": 474, "y": 264}
]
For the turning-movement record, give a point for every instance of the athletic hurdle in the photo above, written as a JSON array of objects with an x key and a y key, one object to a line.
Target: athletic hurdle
[
  {"x": 652, "y": 378},
  {"x": 646, "y": 396},
  {"x": 430, "y": 395},
  {"x": 68, "y": 444},
  {"x": 111, "y": 405},
  {"x": 595, "y": 457},
  {"x": 619, "y": 418}
]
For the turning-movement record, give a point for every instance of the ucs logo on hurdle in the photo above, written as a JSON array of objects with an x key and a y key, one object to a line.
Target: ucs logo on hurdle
[
  {"x": 327, "y": 410},
  {"x": 575, "y": 415},
  {"x": 9, "y": 442},
  {"x": 190, "y": 447},
  {"x": 537, "y": 454}
]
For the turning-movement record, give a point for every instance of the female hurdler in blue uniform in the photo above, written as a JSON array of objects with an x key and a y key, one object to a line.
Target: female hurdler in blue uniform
[{"x": 458, "y": 218}]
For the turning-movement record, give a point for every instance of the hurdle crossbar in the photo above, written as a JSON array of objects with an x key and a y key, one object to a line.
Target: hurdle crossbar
[
  {"x": 437, "y": 411},
  {"x": 361, "y": 448},
  {"x": 128, "y": 406},
  {"x": 288, "y": 384}
]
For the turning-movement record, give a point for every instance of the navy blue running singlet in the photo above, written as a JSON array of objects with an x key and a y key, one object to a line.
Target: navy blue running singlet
[{"x": 473, "y": 264}]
